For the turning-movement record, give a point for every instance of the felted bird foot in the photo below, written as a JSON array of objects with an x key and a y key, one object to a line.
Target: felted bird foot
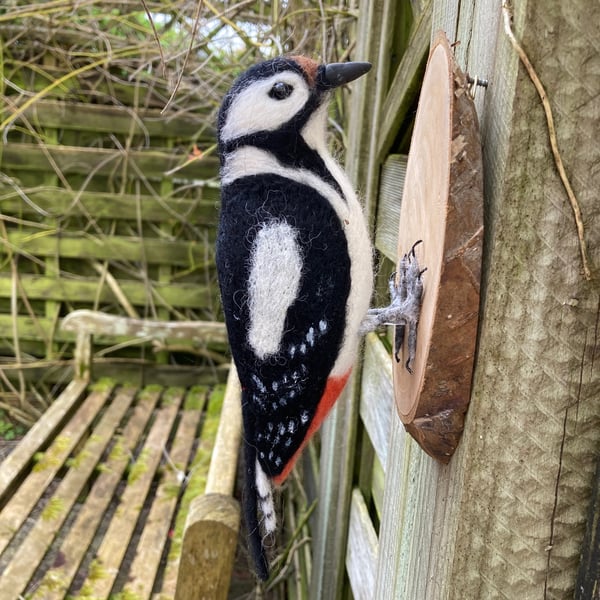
[{"x": 406, "y": 291}]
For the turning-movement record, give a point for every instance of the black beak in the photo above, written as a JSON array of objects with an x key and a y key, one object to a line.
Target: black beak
[{"x": 336, "y": 74}]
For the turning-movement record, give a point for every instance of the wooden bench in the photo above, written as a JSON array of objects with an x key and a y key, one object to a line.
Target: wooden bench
[{"x": 123, "y": 492}]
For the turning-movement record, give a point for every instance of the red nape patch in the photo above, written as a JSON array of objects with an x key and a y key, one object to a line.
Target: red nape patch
[
  {"x": 309, "y": 66},
  {"x": 333, "y": 389}
]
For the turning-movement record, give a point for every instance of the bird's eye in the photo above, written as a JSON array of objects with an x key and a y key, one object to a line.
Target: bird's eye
[{"x": 281, "y": 91}]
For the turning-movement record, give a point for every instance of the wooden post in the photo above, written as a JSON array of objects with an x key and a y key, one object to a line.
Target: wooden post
[
  {"x": 209, "y": 547},
  {"x": 213, "y": 522}
]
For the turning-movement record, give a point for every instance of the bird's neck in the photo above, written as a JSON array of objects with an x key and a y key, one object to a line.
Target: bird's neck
[{"x": 290, "y": 148}]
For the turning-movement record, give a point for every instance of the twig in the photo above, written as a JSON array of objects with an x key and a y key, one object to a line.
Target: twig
[
  {"x": 506, "y": 11},
  {"x": 195, "y": 26}
]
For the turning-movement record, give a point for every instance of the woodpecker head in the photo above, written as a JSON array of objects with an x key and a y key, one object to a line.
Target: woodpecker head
[{"x": 276, "y": 101}]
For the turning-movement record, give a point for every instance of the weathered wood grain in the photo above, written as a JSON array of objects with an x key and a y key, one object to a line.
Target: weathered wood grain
[
  {"x": 74, "y": 547},
  {"x": 223, "y": 464},
  {"x": 39, "y": 436},
  {"x": 208, "y": 548},
  {"x": 102, "y": 118},
  {"x": 190, "y": 254},
  {"x": 39, "y": 287},
  {"x": 362, "y": 551},
  {"x": 377, "y": 396},
  {"x": 146, "y": 564},
  {"x": 405, "y": 86},
  {"x": 79, "y": 160},
  {"x": 391, "y": 186},
  {"x": 61, "y": 203},
  {"x": 47, "y": 465},
  {"x": 116, "y": 539},
  {"x": 98, "y": 322},
  {"x": 29, "y": 554}
]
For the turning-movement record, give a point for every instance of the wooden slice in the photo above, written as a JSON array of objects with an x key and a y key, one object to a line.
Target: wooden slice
[{"x": 442, "y": 205}]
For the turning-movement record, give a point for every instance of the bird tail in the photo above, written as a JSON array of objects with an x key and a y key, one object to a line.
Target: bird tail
[{"x": 258, "y": 496}]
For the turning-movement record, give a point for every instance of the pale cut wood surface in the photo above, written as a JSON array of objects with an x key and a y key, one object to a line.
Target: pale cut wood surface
[
  {"x": 31, "y": 551},
  {"x": 361, "y": 554},
  {"x": 73, "y": 548},
  {"x": 442, "y": 205}
]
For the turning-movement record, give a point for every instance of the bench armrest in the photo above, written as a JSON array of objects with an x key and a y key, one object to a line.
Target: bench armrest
[{"x": 86, "y": 323}]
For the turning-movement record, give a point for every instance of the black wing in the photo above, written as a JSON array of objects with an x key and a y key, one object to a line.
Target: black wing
[{"x": 282, "y": 391}]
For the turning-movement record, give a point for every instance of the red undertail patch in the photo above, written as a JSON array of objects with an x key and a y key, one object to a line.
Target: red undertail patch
[{"x": 333, "y": 389}]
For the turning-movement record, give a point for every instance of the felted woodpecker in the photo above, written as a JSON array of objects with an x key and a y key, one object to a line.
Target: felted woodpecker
[{"x": 295, "y": 269}]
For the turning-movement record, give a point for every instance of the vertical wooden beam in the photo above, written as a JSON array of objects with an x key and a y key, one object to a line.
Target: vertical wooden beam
[{"x": 512, "y": 519}]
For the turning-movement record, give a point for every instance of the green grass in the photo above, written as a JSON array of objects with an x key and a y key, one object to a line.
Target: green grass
[{"x": 9, "y": 430}]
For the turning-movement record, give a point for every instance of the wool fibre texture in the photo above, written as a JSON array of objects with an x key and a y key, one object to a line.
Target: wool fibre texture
[
  {"x": 273, "y": 283},
  {"x": 281, "y": 392}
]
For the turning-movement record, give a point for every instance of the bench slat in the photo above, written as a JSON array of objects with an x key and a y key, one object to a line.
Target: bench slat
[
  {"x": 196, "y": 487},
  {"x": 122, "y": 526},
  {"x": 57, "y": 580},
  {"x": 156, "y": 530},
  {"x": 18, "y": 508},
  {"x": 37, "y": 437},
  {"x": 30, "y": 553}
]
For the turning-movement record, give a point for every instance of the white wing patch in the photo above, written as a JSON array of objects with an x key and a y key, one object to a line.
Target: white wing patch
[{"x": 275, "y": 271}]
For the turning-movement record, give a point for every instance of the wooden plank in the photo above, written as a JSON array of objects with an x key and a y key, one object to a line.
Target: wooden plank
[
  {"x": 391, "y": 186},
  {"x": 405, "y": 86},
  {"x": 45, "y": 329},
  {"x": 338, "y": 440},
  {"x": 377, "y": 395},
  {"x": 223, "y": 464},
  {"x": 47, "y": 465},
  {"x": 79, "y": 160},
  {"x": 145, "y": 566},
  {"x": 58, "y": 202},
  {"x": 58, "y": 579},
  {"x": 406, "y": 526},
  {"x": 205, "y": 570},
  {"x": 71, "y": 244},
  {"x": 378, "y": 486},
  {"x": 362, "y": 550},
  {"x": 38, "y": 436},
  {"x": 143, "y": 471},
  {"x": 96, "y": 322},
  {"x": 101, "y": 118},
  {"x": 30, "y": 553},
  {"x": 196, "y": 487},
  {"x": 382, "y": 36},
  {"x": 61, "y": 288}
]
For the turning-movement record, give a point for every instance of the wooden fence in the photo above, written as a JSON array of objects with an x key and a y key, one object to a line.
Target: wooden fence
[
  {"x": 106, "y": 203},
  {"x": 508, "y": 517}
]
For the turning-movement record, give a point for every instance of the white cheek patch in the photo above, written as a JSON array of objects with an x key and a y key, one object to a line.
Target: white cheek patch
[
  {"x": 253, "y": 110},
  {"x": 274, "y": 281}
]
